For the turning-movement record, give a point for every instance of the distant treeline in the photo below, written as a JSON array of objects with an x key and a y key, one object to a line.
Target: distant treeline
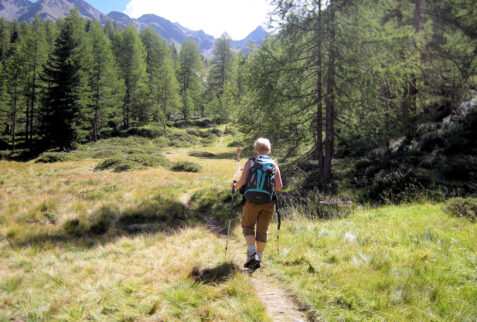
[{"x": 68, "y": 81}]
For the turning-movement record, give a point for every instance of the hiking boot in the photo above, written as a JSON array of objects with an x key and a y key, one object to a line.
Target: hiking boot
[{"x": 252, "y": 262}]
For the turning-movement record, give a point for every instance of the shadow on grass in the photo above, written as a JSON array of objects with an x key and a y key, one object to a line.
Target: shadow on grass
[
  {"x": 157, "y": 215},
  {"x": 215, "y": 275}
]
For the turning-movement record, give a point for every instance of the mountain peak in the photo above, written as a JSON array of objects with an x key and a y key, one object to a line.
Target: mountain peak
[
  {"x": 10, "y": 9},
  {"x": 55, "y": 9},
  {"x": 24, "y": 10}
]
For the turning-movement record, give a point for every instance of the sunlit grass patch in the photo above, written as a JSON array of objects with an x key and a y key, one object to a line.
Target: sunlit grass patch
[{"x": 398, "y": 262}]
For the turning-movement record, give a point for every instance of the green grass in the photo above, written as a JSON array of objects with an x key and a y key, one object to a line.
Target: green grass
[
  {"x": 76, "y": 244},
  {"x": 410, "y": 262}
]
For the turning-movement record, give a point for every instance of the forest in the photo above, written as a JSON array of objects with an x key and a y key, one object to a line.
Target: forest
[{"x": 380, "y": 84}]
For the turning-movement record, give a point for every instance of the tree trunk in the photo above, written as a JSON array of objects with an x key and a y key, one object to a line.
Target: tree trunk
[
  {"x": 330, "y": 99},
  {"x": 14, "y": 114},
  {"x": 319, "y": 97}
]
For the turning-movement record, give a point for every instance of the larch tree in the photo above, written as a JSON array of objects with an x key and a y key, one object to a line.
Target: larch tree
[
  {"x": 104, "y": 84},
  {"x": 131, "y": 57}
]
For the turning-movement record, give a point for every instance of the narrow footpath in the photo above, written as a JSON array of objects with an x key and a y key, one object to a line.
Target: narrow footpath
[{"x": 279, "y": 305}]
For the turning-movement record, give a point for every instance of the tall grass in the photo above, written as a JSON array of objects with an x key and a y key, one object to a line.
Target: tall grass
[{"x": 409, "y": 262}]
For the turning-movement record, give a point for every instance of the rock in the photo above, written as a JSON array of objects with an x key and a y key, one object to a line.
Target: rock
[{"x": 171, "y": 152}]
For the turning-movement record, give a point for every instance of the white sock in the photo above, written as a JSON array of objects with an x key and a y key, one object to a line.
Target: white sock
[
  {"x": 260, "y": 254},
  {"x": 251, "y": 249}
]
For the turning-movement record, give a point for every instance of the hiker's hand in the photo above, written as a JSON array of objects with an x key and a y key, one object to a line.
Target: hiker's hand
[{"x": 233, "y": 186}]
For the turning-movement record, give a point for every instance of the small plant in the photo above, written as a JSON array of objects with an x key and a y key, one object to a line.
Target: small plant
[
  {"x": 185, "y": 166},
  {"x": 463, "y": 208},
  {"x": 12, "y": 284}
]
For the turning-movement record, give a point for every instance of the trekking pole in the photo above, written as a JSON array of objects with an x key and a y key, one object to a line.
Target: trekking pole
[
  {"x": 230, "y": 217},
  {"x": 279, "y": 222}
]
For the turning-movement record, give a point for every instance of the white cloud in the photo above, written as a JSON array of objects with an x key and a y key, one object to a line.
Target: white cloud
[{"x": 236, "y": 17}]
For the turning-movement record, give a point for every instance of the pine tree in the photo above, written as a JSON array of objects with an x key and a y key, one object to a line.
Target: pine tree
[
  {"x": 15, "y": 73},
  {"x": 189, "y": 74},
  {"x": 104, "y": 83},
  {"x": 64, "y": 74},
  {"x": 156, "y": 50},
  {"x": 131, "y": 57},
  {"x": 221, "y": 65},
  {"x": 168, "y": 90},
  {"x": 35, "y": 53}
]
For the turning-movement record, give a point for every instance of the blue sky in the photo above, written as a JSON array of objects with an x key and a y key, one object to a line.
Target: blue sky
[{"x": 106, "y": 6}]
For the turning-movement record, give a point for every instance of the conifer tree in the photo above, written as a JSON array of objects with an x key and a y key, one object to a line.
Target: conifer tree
[
  {"x": 15, "y": 74},
  {"x": 131, "y": 57},
  {"x": 221, "y": 65},
  {"x": 156, "y": 50},
  {"x": 104, "y": 83},
  {"x": 168, "y": 90},
  {"x": 64, "y": 74},
  {"x": 189, "y": 74},
  {"x": 35, "y": 54}
]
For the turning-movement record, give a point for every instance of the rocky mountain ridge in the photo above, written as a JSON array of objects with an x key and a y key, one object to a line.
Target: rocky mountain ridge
[{"x": 24, "y": 10}]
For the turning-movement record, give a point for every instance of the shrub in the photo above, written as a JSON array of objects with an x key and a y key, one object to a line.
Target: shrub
[
  {"x": 234, "y": 144},
  {"x": 206, "y": 134},
  {"x": 462, "y": 208},
  {"x": 52, "y": 157},
  {"x": 110, "y": 163},
  {"x": 230, "y": 131},
  {"x": 193, "y": 132},
  {"x": 145, "y": 160},
  {"x": 201, "y": 154},
  {"x": 185, "y": 166},
  {"x": 216, "y": 132}
]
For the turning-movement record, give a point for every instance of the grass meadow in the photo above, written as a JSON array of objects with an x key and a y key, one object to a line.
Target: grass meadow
[
  {"x": 80, "y": 244},
  {"x": 393, "y": 263}
]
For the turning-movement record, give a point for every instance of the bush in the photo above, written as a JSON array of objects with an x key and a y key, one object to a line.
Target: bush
[
  {"x": 216, "y": 132},
  {"x": 52, "y": 157},
  {"x": 185, "y": 166},
  {"x": 145, "y": 131},
  {"x": 462, "y": 208},
  {"x": 395, "y": 185},
  {"x": 230, "y": 131},
  {"x": 234, "y": 144},
  {"x": 193, "y": 132},
  {"x": 133, "y": 161},
  {"x": 110, "y": 163},
  {"x": 201, "y": 154}
]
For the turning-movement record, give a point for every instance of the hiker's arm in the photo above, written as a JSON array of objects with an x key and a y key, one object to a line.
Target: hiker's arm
[
  {"x": 278, "y": 180},
  {"x": 243, "y": 178}
]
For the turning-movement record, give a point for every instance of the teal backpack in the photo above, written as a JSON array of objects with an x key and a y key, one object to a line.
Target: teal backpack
[{"x": 261, "y": 180}]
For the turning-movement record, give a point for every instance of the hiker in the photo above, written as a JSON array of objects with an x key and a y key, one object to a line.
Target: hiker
[
  {"x": 257, "y": 215},
  {"x": 239, "y": 150}
]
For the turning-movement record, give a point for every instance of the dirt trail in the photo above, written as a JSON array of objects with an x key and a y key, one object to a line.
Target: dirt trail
[{"x": 279, "y": 305}]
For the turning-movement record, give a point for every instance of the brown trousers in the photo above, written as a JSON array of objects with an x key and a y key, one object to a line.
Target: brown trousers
[{"x": 259, "y": 216}]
